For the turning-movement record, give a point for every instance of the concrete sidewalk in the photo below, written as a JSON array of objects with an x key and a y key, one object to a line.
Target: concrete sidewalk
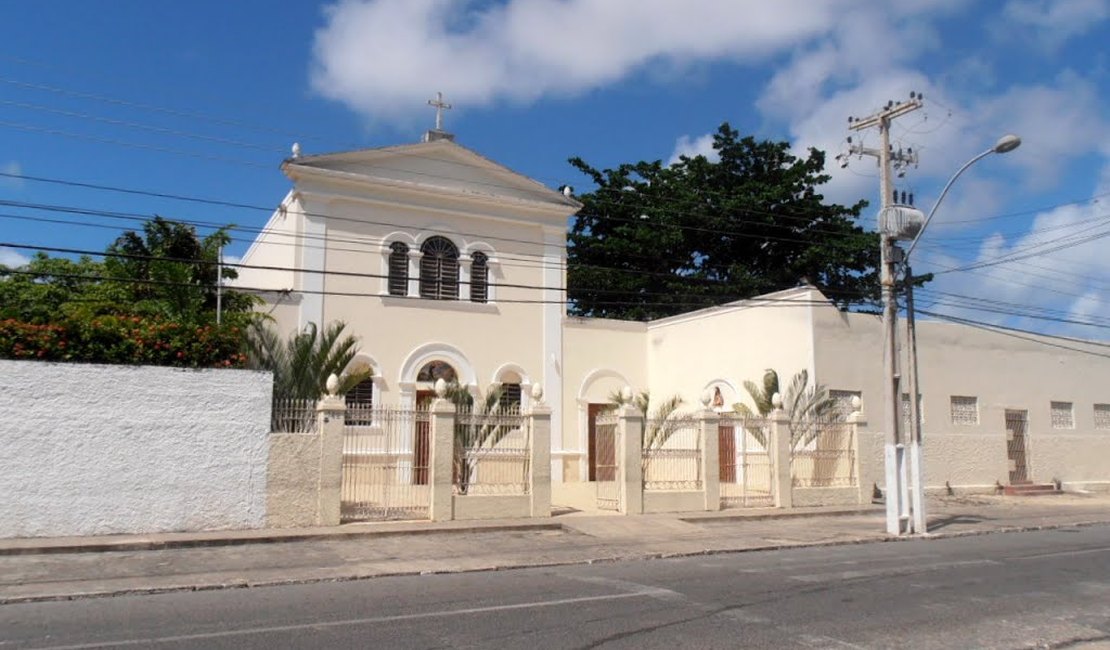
[{"x": 80, "y": 567}]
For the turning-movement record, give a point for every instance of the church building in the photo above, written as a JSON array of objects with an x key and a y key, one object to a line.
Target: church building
[{"x": 446, "y": 264}]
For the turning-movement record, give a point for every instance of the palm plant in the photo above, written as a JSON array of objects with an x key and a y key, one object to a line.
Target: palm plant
[
  {"x": 660, "y": 424},
  {"x": 482, "y": 428},
  {"x": 302, "y": 363},
  {"x": 805, "y": 405}
]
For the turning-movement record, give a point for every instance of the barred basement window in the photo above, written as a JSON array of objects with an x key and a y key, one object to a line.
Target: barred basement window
[
  {"x": 479, "y": 278},
  {"x": 965, "y": 410},
  {"x": 398, "y": 269},
  {"x": 1063, "y": 415},
  {"x": 360, "y": 403},
  {"x": 439, "y": 269},
  {"x": 1102, "y": 416}
]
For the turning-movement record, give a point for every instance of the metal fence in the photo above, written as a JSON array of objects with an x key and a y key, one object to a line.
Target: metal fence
[
  {"x": 746, "y": 463},
  {"x": 385, "y": 464},
  {"x": 823, "y": 453},
  {"x": 672, "y": 454},
  {"x": 293, "y": 416},
  {"x": 492, "y": 451}
]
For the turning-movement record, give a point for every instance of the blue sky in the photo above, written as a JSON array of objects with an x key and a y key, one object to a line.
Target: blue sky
[{"x": 205, "y": 98}]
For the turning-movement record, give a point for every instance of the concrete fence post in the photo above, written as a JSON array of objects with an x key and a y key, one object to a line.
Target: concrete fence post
[
  {"x": 780, "y": 450},
  {"x": 630, "y": 458},
  {"x": 709, "y": 422},
  {"x": 540, "y": 461},
  {"x": 441, "y": 460},
  {"x": 330, "y": 414}
]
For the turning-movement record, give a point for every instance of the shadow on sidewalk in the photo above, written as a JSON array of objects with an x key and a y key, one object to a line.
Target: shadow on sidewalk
[{"x": 938, "y": 523}]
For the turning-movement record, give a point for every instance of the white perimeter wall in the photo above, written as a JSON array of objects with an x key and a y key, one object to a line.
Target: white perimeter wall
[{"x": 98, "y": 449}]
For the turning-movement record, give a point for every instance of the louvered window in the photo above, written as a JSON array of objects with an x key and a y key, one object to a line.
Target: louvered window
[
  {"x": 479, "y": 278},
  {"x": 439, "y": 269},
  {"x": 398, "y": 269}
]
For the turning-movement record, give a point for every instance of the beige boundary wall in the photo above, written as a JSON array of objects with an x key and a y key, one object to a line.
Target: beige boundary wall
[
  {"x": 1003, "y": 373},
  {"x": 305, "y": 472}
]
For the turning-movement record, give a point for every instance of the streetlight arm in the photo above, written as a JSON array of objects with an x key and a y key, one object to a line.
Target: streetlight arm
[{"x": 943, "y": 192}]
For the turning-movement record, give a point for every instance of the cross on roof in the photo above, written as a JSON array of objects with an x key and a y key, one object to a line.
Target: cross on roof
[{"x": 440, "y": 106}]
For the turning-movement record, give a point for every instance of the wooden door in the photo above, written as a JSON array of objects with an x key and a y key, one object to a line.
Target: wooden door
[
  {"x": 602, "y": 449},
  {"x": 422, "y": 441}
]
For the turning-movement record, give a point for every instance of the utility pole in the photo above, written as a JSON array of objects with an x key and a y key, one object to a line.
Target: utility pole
[
  {"x": 917, "y": 478},
  {"x": 898, "y": 519}
]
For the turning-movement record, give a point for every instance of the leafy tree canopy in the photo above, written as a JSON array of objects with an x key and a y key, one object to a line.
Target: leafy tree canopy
[
  {"x": 655, "y": 240},
  {"x": 165, "y": 272}
]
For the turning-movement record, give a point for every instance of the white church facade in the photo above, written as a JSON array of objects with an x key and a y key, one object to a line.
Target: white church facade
[{"x": 446, "y": 264}]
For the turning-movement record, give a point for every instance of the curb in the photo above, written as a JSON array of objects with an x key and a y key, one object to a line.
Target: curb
[
  {"x": 140, "y": 544},
  {"x": 243, "y": 540},
  {"x": 246, "y": 584}
]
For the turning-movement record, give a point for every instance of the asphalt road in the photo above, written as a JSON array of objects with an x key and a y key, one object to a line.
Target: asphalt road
[{"x": 1018, "y": 590}]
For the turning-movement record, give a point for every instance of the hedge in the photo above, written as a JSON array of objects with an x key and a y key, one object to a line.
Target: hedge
[{"x": 124, "y": 340}]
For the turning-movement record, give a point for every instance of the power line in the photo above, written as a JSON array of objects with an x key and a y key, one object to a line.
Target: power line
[{"x": 1017, "y": 333}]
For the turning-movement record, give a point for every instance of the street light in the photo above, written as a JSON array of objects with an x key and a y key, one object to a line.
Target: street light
[{"x": 1005, "y": 144}]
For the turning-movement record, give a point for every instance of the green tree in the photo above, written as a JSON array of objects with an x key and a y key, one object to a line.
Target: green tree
[
  {"x": 170, "y": 270},
  {"x": 51, "y": 289},
  {"x": 654, "y": 240},
  {"x": 805, "y": 405},
  {"x": 303, "y": 362}
]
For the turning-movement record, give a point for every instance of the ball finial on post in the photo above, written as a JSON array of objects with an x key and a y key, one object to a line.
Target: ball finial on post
[
  {"x": 537, "y": 393},
  {"x": 776, "y": 401},
  {"x": 441, "y": 388},
  {"x": 332, "y": 384}
]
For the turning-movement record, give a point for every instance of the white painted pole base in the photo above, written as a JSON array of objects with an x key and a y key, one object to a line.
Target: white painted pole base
[
  {"x": 897, "y": 517},
  {"x": 917, "y": 480}
]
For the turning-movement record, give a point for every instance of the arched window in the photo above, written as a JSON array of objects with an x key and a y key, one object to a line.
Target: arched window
[
  {"x": 479, "y": 277},
  {"x": 360, "y": 403},
  {"x": 439, "y": 269},
  {"x": 398, "y": 269}
]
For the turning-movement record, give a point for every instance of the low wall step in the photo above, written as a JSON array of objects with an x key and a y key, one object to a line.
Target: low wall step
[{"x": 1030, "y": 489}]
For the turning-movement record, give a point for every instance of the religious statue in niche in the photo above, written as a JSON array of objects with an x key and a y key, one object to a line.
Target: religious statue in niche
[
  {"x": 435, "y": 370},
  {"x": 718, "y": 399}
]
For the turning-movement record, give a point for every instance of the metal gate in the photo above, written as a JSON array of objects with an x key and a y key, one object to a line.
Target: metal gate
[
  {"x": 746, "y": 465},
  {"x": 1016, "y": 424},
  {"x": 606, "y": 467},
  {"x": 385, "y": 464}
]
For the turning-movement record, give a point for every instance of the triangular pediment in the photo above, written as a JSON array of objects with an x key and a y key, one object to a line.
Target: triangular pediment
[{"x": 439, "y": 165}]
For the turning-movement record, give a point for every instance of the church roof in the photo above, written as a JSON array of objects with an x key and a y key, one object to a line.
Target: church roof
[{"x": 439, "y": 165}]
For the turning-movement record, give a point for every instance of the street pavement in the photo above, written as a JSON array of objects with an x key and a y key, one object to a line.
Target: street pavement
[
  {"x": 37, "y": 570},
  {"x": 1041, "y": 589}
]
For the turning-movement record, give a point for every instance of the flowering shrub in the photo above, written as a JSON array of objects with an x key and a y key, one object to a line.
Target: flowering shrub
[{"x": 123, "y": 339}]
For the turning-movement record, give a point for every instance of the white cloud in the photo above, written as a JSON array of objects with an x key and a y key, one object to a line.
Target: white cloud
[
  {"x": 1052, "y": 22},
  {"x": 692, "y": 147},
  {"x": 11, "y": 258},
  {"x": 384, "y": 57},
  {"x": 8, "y": 182}
]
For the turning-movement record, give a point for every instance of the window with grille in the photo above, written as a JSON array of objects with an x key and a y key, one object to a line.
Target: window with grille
[
  {"x": 479, "y": 278},
  {"x": 1063, "y": 416},
  {"x": 510, "y": 396},
  {"x": 1102, "y": 416},
  {"x": 360, "y": 404},
  {"x": 965, "y": 410},
  {"x": 398, "y": 269},
  {"x": 906, "y": 415},
  {"x": 439, "y": 269}
]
